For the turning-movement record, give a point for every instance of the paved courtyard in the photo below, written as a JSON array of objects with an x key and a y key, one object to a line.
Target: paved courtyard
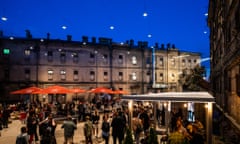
[{"x": 8, "y": 136}]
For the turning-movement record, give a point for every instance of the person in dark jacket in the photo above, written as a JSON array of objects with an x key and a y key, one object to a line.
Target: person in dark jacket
[
  {"x": 48, "y": 127},
  {"x": 118, "y": 128},
  {"x": 105, "y": 129},
  {"x": 95, "y": 121},
  {"x": 69, "y": 127},
  {"x": 32, "y": 127}
]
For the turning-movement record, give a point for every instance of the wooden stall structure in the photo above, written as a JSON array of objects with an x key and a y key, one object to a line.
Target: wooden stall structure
[{"x": 175, "y": 97}]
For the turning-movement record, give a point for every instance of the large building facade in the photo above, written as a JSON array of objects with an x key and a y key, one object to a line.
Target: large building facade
[
  {"x": 224, "y": 23},
  {"x": 91, "y": 63}
]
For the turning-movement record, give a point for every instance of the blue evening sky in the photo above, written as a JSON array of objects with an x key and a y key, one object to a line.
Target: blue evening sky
[{"x": 179, "y": 22}]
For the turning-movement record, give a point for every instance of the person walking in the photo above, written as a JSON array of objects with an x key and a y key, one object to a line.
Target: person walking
[
  {"x": 88, "y": 127},
  {"x": 105, "y": 129},
  {"x": 69, "y": 126},
  {"x": 22, "y": 138}
]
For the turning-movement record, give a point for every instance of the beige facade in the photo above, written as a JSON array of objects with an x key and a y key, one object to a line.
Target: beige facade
[
  {"x": 224, "y": 23},
  {"x": 45, "y": 62}
]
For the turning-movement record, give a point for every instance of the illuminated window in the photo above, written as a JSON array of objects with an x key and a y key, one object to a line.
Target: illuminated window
[
  {"x": 75, "y": 75},
  {"x": 172, "y": 61},
  {"x": 63, "y": 74},
  {"x": 120, "y": 75},
  {"x": 75, "y": 57},
  {"x": 50, "y": 74},
  {"x": 134, "y": 60},
  {"x": 134, "y": 76},
  {"x": 105, "y": 76},
  {"x": 27, "y": 52},
  {"x": 27, "y": 74},
  {"x": 92, "y": 75},
  {"x": 105, "y": 58}
]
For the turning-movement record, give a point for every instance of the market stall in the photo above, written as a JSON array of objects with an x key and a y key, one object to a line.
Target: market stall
[{"x": 176, "y": 97}]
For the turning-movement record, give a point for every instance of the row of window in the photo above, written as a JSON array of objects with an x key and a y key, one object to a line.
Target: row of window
[{"x": 92, "y": 75}]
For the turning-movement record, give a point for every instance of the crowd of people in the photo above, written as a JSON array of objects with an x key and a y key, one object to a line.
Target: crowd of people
[
  {"x": 184, "y": 132},
  {"x": 111, "y": 120}
]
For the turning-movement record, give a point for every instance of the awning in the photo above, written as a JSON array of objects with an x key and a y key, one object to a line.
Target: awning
[{"x": 200, "y": 97}]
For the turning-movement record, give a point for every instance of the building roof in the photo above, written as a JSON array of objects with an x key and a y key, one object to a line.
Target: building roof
[{"x": 200, "y": 97}]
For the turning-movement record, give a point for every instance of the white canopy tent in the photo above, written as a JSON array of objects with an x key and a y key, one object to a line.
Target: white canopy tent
[{"x": 196, "y": 97}]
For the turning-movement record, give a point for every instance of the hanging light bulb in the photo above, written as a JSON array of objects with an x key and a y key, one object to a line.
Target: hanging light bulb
[
  {"x": 64, "y": 27},
  {"x": 4, "y": 18},
  {"x": 145, "y": 14}
]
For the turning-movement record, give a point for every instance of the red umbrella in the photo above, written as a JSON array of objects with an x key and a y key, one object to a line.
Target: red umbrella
[
  {"x": 120, "y": 92},
  {"x": 77, "y": 90},
  {"x": 101, "y": 90},
  {"x": 56, "y": 89},
  {"x": 29, "y": 90}
]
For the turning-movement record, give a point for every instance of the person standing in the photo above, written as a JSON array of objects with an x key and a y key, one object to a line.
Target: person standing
[
  {"x": 5, "y": 116},
  {"x": 69, "y": 127},
  {"x": 48, "y": 127},
  {"x": 23, "y": 137},
  {"x": 105, "y": 129},
  {"x": 137, "y": 129},
  {"x": 118, "y": 128},
  {"x": 95, "y": 120},
  {"x": 88, "y": 127},
  {"x": 32, "y": 127},
  {"x": 145, "y": 120}
]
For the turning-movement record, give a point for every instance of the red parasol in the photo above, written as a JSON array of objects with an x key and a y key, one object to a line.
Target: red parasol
[
  {"x": 101, "y": 90},
  {"x": 29, "y": 90},
  {"x": 77, "y": 90},
  {"x": 56, "y": 89}
]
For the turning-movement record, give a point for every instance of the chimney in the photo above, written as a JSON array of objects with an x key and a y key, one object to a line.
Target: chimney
[
  {"x": 48, "y": 36},
  {"x": 145, "y": 44},
  {"x": 168, "y": 45},
  {"x": 94, "y": 40},
  {"x": 28, "y": 34},
  {"x": 131, "y": 42},
  {"x": 84, "y": 39},
  {"x": 162, "y": 46},
  {"x": 156, "y": 45},
  {"x": 69, "y": 37}
]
